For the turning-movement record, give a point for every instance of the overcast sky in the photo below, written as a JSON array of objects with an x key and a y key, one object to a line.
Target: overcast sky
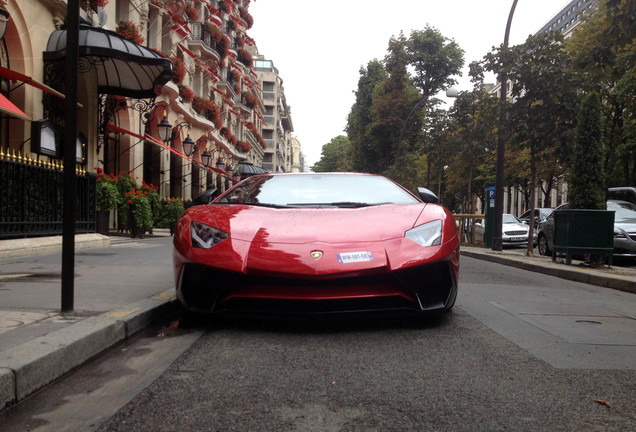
[{"x": 319, "y": 47}]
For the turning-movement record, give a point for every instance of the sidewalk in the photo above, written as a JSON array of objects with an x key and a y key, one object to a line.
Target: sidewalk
[
  {"x": 38, "y": 343},
  {"x": 615, "y": 277},
  {"x": 38, "y": 347}
]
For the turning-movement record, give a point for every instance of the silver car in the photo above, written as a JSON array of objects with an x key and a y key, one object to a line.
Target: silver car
[
  {"x": 624, "y": 229},
  {"x": 513, "y": 231}
]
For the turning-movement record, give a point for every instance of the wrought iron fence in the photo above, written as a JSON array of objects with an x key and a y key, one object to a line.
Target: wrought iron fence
[{"x": 31, "y": 198}]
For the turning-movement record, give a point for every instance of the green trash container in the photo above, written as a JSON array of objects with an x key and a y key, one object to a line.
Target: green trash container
[{"x": 580, "y": 231}]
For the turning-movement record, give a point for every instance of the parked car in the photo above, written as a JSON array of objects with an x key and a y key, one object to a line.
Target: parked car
[
  {"x": 513, "y": 231},
  {"x": 624, "y": 229},
  {"x": 622, "y": 194},
  {"x": 540, "y": 214},
  {"x": 318, "y": 243}
]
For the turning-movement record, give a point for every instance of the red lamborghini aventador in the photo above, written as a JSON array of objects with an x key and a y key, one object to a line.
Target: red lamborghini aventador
[{"x": 317, "y": 243}]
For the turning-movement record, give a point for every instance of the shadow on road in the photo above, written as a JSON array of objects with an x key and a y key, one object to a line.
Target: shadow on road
[{"x": 311, "y": 324}]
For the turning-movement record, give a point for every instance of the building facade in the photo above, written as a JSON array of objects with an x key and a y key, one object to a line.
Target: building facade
[
  {"x": 168, "y": 91},
  {"x": 278, "y": 127}
]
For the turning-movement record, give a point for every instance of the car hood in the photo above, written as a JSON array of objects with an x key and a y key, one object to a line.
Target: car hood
[
  {"x": 328, "y": 225},
  {"x": 627, "y": 225},
  {"x": 515, "y": 227}
]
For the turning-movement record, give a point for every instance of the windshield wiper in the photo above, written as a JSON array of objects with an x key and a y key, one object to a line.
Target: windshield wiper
[{"x": 340, "y": 204}]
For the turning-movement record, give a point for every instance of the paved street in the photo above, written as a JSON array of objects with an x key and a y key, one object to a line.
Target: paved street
[{"x": 522, "y": 351}]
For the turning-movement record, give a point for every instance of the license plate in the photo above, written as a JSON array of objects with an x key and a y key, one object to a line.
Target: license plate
[
  {"x": 518, "y": 238},
  {"x": 352, "y": 257}
]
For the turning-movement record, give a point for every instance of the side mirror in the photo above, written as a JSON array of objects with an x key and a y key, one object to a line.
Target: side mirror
[
  {"x": 206, "y": 197},
  {"x": 427, "y": 196}
]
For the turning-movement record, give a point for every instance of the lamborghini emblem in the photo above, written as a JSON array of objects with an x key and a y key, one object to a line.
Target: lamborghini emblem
[{"x": 316, "y": 254}]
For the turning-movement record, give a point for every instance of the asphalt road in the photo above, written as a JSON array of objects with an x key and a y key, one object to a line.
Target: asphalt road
[{"x": 519, "y": 352}]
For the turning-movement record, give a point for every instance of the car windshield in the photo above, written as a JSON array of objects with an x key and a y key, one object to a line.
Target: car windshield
[
  {"x": 624, "y": 210},
  {"x": 545, "y": 213},
  {"x": 317, "y": 190},
  {"x": 508, "y": 218}
]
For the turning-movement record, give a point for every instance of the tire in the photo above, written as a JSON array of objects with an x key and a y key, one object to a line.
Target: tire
[{"x": 542, "y": 245}]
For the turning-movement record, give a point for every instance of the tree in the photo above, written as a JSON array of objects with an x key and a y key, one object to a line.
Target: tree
[
  {"x": 388, "y": 122},
  {"x": 335, "y": 156},
  {"x": 435, "y": 59},
  {"x": 542, "y": 117},
  {"x": 603, "y": 50},
  {"x": 474, "y": 123},
  {"x": 365, "y": 154},
  {"x": 587, "y": 186}
]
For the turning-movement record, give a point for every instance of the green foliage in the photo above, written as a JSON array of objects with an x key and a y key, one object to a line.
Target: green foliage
[
  {"x": 603, "y": 51},
  {"x": 171, "y": 210},
  {"x": 394, "y": 103},
  {"x": 335, "y": 156},
  {"x": 153, "y": 199},
  {"x": 586, "y": 187},
  {"x": 436, "y": 60},
  {"x": 137, "y": 206},
  {"x": 543, "y": 116},
  {"x": 107, "y": 195},
  {"x": 363, "y": 158}
]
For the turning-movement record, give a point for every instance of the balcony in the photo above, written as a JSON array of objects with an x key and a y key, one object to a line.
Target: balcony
[
  {"x": 204, "y": 41},
  {"x": 241, "y": 103}
]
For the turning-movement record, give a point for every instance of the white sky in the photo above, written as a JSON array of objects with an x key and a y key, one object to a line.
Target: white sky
[{"x": 318, "y": 47}]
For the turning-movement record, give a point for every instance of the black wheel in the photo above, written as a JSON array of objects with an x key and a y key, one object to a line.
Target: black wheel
[{"x": 542, "y": 245}]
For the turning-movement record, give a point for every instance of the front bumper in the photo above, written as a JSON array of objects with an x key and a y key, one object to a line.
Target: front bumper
[{"x": 423, "y": 288}]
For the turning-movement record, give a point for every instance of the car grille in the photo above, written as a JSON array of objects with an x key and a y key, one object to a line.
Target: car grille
[
  {"x": 516, "y": 233},
  {"x": 426, "y": 288}
]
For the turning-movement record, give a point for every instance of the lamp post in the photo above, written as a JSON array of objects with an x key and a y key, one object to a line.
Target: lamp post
[
  {"x": 69, "y": 180},
  {"x": 497, "y": 242}
]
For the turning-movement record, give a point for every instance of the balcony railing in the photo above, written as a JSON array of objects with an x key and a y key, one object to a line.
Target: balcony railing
[{"x": 199, "y": 35}]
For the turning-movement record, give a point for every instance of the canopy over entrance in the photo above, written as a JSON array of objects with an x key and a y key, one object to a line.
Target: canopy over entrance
[{"x": 123, "y": 67}]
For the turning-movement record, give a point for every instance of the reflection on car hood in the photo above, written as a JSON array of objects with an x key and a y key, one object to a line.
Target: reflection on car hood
[
  {"x": 628, "y": 225},
  {"x": 280, "y": 225},
  {"x": 515, "y": 227}
]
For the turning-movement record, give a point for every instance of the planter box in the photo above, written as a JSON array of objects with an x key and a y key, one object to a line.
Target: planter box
[{"x": 583, "y": 232}]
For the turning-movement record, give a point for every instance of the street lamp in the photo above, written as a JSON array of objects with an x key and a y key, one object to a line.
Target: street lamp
[
  {"x": 206, "y": 157},
  {"x": 165, "y": 129},
  {"x": 497, "y": 242},
  {"x": 220, "y": 164},
  {"x": 168, "y": 133},
  {"x": 189, "y": 146}
]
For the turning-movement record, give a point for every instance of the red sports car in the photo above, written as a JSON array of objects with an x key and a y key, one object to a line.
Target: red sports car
[{"x": 317, "y": 243}]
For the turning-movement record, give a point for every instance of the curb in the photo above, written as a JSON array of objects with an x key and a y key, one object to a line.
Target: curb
[
  {"x": 563, "y": 271},
  {"x": 47, "y": 245},
  {"x": 27, "y": 368}
]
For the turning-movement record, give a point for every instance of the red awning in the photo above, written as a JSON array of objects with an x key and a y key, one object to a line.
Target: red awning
[
  {"x": 6, "y": 106},
  {"x": 17, "y": 76}
]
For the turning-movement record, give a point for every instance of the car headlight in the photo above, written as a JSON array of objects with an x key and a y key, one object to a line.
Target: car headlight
[
  {"x": 429, "y": 234},
  {"x": 205, "y": 236}
]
